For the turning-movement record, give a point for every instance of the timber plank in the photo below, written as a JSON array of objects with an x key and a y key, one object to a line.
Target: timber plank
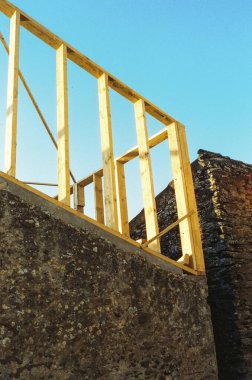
[
  {"x": 62, "y": 127},
  {"x": 12, "y": 96},
  {"x": 150, "y": 210},
  {"x": 107, "y": 153}
]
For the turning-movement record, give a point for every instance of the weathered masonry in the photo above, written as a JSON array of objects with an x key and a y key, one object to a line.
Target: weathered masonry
[
  {"x": 81, "y": 303},
  {"x": 223, "y": 190},
  {"x": 109, "y": 181}
]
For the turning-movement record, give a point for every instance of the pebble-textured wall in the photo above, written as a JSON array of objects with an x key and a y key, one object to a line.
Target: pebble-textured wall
[
  {"x": 76, "y": 305},
  {"x": 224, "y": 197}
]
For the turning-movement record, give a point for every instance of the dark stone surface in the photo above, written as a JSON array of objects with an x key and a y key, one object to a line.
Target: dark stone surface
[
  {"x": 224, "y": 196},
  {"x": 76, "y": 305},
  {"x": 228, "y": 253}
]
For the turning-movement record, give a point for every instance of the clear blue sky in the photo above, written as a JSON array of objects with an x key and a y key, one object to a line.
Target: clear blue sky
[{"x": 191, "y": 58}]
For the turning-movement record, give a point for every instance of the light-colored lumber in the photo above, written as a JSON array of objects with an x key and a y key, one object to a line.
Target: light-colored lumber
[
  {"x": 89, "y": 179},
  {"x": 98, "y": 198},
  {"x": 184, "y": 259},
  {"x": 185, "y": 196},
  {"x": 85, "y": 181},
  {"x": 150, "y": 210},
  {"x": 107, "y": 153},
  {"x": 87, "y": 64},
  {"x": 35, "y": 104},
  {"x": 158, "y": 138},
  {"x": 167, "y": 229},
  {"x": 153, "y": 141},
  {"x": 122, "y": 199},
  {"x": 12, "y": 96},
  {"x": 132, "y": 153},
  {"x": 79, "y": 197},
  {"x": 62, "y": 127},
  {"x": 28, "y": 90}
]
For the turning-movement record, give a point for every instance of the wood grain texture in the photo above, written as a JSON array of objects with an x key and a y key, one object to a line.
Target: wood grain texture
[
  {"x": 149, "y": 201},
  {"x": 62, "y": 127},
  {"x": 185, "y": 197},
  {"x": 12, "y": 97},
  {"x": 107, "y": 153},
  {"x": 79, "y": 197},
  {"x": 122, "y": 199},
  {"x": 98, "y": 198}
]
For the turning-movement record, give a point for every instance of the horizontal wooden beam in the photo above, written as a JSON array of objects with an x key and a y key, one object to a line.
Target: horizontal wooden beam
[
  {"x": 132, "y": 153},
  {"x": 81, "y": 60},
  {"x": 153, "y": 141},
  {"x": 167, "y": 229},
  {"x": 85, "y": 181},
  {"x": 89, "y": 179}
]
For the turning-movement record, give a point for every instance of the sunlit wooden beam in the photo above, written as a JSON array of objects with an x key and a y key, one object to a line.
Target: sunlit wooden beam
[
  {"x": 62, "y": 127},
  {"x": 12, "y": 97},
  {"x": 107, "y": 153},
  {"x": 150, "y": 210},
  {"x": 185, "y": 196}
]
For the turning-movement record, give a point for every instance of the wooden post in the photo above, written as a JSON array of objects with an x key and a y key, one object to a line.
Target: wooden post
[
  {"x": 62, "y": 126},
  {"x": 150, "y": 210},
  {"x": 185, "y": 196},
  {"x": 12, "y": 97},
  {"x": 79, "y": 197},
  {"x": 29, "y": 93},
  {"x": 98, "y": 197},
  {"x": 107, "y": 153},
  {"x": 122, "y": 198}
]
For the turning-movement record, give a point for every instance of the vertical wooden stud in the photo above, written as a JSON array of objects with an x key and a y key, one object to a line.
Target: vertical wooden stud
[
  {"x": 122, "y": 199},
  {"x": 79, "y": 197},
  {"x": 12, "y": 96},
  {"x": 107, "y": 153},
  {"x": 98, "y": 197},
  {"x": 62, "y": 126},
  {"x": 185, "y": 196},
  {"x": 150, "y": 210}
]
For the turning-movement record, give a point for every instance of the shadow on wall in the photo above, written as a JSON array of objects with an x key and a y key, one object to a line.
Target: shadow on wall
[
  {"x": 222, "y": 266},
  {"x": 221, "y": 277}
]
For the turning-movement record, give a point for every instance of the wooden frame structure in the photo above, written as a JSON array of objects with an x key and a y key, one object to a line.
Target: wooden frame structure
[{"x": 109, "y": 181}]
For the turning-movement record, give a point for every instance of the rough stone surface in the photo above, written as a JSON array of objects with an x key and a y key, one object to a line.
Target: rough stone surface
[
  {"x": 224, "y": 197},
  {"x": 76, "y": 305}
]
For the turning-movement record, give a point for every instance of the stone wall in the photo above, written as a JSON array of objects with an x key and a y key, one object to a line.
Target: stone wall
[
  {"x": 80, "y": 303},
  {"x": 224, "y": 197}
]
